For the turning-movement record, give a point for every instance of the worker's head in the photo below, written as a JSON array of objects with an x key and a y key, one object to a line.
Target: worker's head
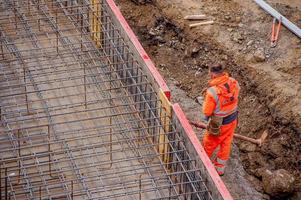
[{"x": 216, "y": 70}]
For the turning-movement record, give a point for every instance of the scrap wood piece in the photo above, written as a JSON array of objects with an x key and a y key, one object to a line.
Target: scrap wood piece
[
  {"x": 195, "y": 17},
  {"x": 201, "y": 23}
]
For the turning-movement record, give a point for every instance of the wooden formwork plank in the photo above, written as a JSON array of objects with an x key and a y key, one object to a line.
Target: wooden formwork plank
[
  {"x": 165, "y": 117},
  {"x": 95, "y": 21}
]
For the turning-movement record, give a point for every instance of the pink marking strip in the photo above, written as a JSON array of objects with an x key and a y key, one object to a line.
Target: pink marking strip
[
  {"x": 201, "y": 152},
  {"x": 143, "y": 54}
]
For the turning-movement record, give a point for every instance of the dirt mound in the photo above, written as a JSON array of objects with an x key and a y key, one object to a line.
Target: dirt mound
[{"x": 266, "y": 103}]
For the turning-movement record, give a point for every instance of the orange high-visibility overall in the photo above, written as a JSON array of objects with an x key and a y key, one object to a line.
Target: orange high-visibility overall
[{"x": 221, "y": 100}]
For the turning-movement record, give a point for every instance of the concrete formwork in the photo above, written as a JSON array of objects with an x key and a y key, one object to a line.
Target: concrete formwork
[{"x": 84, "y": 112}]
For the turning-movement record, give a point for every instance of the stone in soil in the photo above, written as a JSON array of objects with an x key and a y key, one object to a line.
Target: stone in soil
[
  {"x": 237, "y": 37},
  {"x": 279, "y": 183},
  {"x": 276, "y": 149},
  {"x": 251, "y": 42},
  {"x": 259, "y": 55}
]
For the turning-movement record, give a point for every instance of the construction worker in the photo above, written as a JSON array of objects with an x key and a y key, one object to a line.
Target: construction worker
[{"x": 220, "y": 109}]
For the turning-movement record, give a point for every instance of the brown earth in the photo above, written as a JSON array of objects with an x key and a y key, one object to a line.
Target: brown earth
[{"x": 271, "y": 82}]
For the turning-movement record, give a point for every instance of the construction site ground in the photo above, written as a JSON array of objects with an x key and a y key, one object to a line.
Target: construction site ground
[{"x": 269, "y": 77}]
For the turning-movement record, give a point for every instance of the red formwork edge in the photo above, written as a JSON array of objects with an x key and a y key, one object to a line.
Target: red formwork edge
[
  {"x": 201, "y": 153},
  {"x": 159, "y": 79}
]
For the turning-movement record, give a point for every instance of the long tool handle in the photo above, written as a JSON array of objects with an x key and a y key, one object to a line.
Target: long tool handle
[
  {"x": 255, "y": 141},
  {"x": 204, "y": 126},
  {"x": 198, "y": 124}
]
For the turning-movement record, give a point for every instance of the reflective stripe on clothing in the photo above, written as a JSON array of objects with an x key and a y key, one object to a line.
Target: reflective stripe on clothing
[
  {"x": 224, "y": 141},
  {"x": 221, "y": 100},
  {"x": 217, "y": 110},
  {"x": 220, "y": 170},
  {"x": 221, "y": 162},
  {"x": 214, "y": 95},
  {"x": 220, "y": 166}
]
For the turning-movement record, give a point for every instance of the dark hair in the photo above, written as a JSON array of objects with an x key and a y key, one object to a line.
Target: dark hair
[{"x": 216, "y": 68}]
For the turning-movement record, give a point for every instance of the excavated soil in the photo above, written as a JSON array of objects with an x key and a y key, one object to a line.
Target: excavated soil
[{"x": 270, "y": 77}]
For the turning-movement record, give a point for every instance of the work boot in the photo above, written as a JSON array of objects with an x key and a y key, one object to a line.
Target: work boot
[
  {"x": 220, "y": 173},
  {"x": 219, "y": 166}
]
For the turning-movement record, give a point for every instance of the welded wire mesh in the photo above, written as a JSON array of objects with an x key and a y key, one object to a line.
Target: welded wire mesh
[{"x": 80, "y": 117}]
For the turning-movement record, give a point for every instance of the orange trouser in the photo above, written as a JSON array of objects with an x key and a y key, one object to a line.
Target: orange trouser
[{"x": 224, "y": 140}]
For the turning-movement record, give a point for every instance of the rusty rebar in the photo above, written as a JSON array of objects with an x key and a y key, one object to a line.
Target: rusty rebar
[{"x": 81, "y": 116}]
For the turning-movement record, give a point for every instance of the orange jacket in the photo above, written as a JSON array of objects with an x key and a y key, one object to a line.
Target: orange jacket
[{"x": 221, "y": 97}]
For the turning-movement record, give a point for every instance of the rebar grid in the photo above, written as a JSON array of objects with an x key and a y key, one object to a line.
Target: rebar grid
[{"x": 81, "y": 119}]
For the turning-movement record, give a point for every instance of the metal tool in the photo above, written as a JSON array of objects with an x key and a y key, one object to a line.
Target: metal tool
[
  {"x": 275, "y": 33},
  {"x": 292, "y": 27}
]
